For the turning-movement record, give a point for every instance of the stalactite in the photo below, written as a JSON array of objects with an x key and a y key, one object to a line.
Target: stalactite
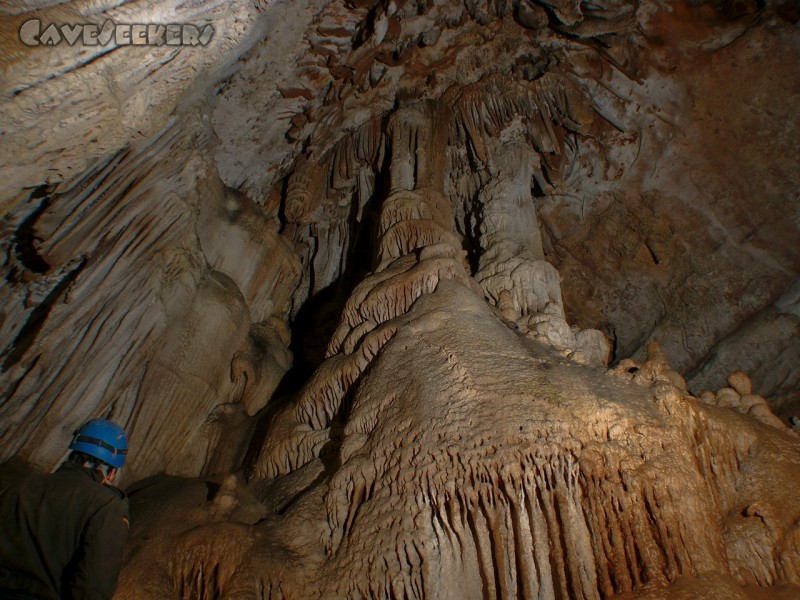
[
  {"x": 538, "y": 525},
  {"x": 487, "y": 107},
  {"x": 511, "y": 265},
  {"x": 304, "y": 190},
  {"x": 418, "y": 248}
]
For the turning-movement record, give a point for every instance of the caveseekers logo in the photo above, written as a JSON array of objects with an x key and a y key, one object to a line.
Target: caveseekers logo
[{"x": 34, "y": 33}]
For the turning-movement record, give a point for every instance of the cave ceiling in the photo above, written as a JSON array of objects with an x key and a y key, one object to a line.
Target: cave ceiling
[{"x": 340, "y": 231}]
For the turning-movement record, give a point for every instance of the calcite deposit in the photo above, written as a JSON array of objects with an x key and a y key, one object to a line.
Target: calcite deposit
[{"x": 440, "y": 299}]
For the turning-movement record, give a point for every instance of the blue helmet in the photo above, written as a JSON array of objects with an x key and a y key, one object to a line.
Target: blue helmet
[{"x": 103, "y": 440}]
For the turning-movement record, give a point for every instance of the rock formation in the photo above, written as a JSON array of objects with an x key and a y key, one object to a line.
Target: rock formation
[{"x": 416, "y": 299}]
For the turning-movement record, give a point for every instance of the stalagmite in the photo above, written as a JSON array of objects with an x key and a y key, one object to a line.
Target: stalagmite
[
  {"x": 512, "y": 263},
  {"x": 740, "y": 397}
]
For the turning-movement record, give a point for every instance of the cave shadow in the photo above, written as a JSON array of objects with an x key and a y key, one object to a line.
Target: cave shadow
[
  {"x": 312, "y": 329},
  {"x": 315, "y": 323}
]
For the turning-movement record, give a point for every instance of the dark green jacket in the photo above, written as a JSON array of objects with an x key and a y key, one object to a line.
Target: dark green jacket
[{"x": 62, "y": 535}]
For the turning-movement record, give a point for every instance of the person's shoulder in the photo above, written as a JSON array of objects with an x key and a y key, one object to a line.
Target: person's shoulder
[
  {"x": 116, "y": 492},
  {"x": 73, "y": 476},
  {"x": 78, "y": 475},
  {"x": 15, "y": 474},
  {"x": 116, "y": 505},
  {"x": 109, "y": 502}
]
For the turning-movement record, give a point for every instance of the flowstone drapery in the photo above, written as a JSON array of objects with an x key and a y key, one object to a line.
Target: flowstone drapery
[
  {"x": 416, "y": 299},
  {"x": 464, "y": 472},
  {"x": 450, "y": 447}
]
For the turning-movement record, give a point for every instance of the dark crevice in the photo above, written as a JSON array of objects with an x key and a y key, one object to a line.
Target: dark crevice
[
  {"x": 553, "y": 533},
  {"x": 25, "y": 238},
  {"x": 560, "y": 522},
  {"x": 317, "y": 319},
  {"x": 212, "y": 489},
  {"x": 653, "y": 255},
  {"x": 537, "y": 191},
  {"x": 62, "y": 72},
  {"x": 366, "y": 30},
  {"x": 493, "y": 550},
  {"x": 472, "y": 240},
  {"x": 609, "y": 330},
  {"x": 314, "y": 325},
  {"x": 12, "y": 276},
  {"x": 38, "y": 316},
  {"x": 282, "y": 205}
]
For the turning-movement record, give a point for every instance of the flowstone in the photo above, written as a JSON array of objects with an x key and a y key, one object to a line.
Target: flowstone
[
  {"x": 467, "y": 472},
  {"x": 351, "y": 275},
  {"x": 441, "y": 451}
]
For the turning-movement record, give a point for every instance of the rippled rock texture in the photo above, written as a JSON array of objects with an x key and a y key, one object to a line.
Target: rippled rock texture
[{"x": 429, "y": 299}]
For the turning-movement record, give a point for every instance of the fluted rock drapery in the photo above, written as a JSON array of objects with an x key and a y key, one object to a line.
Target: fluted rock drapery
[{"x": 445, "y": 299}]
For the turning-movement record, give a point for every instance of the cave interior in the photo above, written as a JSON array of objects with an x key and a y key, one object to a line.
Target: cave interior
[{"x": 434, "y": 299}]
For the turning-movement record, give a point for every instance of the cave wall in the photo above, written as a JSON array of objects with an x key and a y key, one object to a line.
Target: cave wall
[
  {"x": 122, "y": 241},
  {"x": 673, "y": 201},
  {"x": 450, "y": 447},
  {"x": 289, "y": 253}
]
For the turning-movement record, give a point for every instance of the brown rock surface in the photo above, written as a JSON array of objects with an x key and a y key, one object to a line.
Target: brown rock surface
[{"x": 352, "y": 274}]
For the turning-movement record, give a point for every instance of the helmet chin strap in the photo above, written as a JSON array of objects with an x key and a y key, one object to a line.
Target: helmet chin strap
[{"x": 109, "y": 474}]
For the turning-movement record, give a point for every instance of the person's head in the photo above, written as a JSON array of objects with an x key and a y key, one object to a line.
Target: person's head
[{"x": 100, "y": 445}]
